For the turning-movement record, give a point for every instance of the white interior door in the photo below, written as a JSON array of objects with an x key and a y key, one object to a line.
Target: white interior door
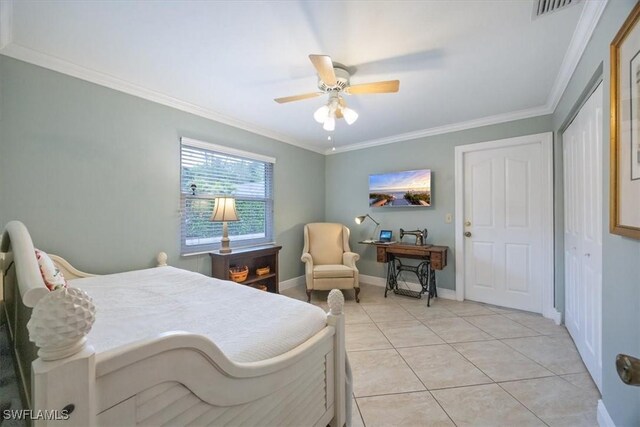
[
  {"x": 505, "y": 193},
  {"x": 582, "y": 146}
]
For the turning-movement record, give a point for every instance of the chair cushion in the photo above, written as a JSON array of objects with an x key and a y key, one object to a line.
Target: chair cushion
[
  {"x": 325, "y": 243},
  {"x": 328, "y": 271}
]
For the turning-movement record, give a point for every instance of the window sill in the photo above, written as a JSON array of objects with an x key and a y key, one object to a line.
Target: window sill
[{"x": 233, "y": 247}]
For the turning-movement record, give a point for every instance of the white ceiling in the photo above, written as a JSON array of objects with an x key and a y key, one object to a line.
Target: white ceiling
[{"x": 460, "y": 63}]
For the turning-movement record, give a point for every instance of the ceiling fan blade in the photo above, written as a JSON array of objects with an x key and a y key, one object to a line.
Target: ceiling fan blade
[
  {"x": 324, "y": 67},
  {"x": 389, "y": 86},
  {"x": 297, "y": 97}
]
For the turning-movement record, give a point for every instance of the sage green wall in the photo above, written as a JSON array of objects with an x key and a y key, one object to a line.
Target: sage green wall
[
  {"x": 347, "y": 181},
  {"x": 621, "y": 256},
  {"x": 94, "y": 173}
]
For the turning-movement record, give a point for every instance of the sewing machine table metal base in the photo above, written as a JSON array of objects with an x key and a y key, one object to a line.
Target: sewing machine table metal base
[{"x": 426, "y": 277}]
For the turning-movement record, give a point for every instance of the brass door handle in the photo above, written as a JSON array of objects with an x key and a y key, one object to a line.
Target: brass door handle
[
  {"x": 467, "y": 234},
  {"x": 628, "y": 369}
]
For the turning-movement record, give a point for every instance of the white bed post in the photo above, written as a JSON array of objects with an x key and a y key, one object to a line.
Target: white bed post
[
  {"x": 335, "y": 318},
  {"x": 161, "y": 259},
  {"x": 63, "y": 376},
  {"x": 61, "y": 383}
]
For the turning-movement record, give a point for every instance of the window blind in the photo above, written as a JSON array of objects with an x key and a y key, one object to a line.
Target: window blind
[{"x": 210, "y": 172}]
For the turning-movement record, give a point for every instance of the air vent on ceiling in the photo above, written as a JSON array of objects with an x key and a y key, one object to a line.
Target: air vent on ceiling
[{"x": 545, "y": 7}]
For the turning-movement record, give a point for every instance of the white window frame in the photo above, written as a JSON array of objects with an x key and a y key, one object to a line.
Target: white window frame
[{"x": 213, "y": 243}]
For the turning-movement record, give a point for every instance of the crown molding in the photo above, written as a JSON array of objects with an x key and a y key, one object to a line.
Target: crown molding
[
  {"x": 439, "y": 130},
  {"x": 21, "y": 53},
  {"x": 589, "y": 18},
  {"x": 591, "y": 13},
  {"x": 6, "y": 22},
  {"x": 31, "y": 56}
]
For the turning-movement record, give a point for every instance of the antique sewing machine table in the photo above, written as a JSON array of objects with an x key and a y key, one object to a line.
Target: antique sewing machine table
[{"x": 433, "y": 258}]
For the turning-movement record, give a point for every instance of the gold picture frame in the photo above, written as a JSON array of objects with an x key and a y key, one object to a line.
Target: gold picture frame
[{"x": 624, "y": 218}]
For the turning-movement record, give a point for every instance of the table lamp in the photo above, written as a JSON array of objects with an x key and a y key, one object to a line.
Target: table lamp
[
  {"x": 360, "y": 219},
  {"x": 224, "y": 210}
]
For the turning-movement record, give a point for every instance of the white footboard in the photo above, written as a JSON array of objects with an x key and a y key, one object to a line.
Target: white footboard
[
  {"x": 174, "y": 379},
  {"x": 184, "y": 379}
]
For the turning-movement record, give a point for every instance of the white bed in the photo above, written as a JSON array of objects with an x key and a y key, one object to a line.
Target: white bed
[
  {"x": 172, "y": 347},
  {"x": 248, "y": 325}
]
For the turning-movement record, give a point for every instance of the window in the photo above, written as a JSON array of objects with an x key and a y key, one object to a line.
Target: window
[{"x": 209, "y": 170}]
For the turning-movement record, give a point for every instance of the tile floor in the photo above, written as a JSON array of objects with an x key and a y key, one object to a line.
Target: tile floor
[{"x": 460, "y": 363}]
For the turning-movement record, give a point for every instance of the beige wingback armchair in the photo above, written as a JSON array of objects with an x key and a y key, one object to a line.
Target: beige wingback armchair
[{"x": 329, "y": 262}]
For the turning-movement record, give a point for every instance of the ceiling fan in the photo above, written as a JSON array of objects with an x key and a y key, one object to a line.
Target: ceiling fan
[{"x": 333, "y": 80}]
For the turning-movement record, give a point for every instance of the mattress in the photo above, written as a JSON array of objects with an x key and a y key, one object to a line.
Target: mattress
[{"x": 248, "y": 325}]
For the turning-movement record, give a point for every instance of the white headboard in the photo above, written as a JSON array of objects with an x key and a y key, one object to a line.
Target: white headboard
[
  {"x": 18, "y": 248},
  {"x": 23, "y": 287}
]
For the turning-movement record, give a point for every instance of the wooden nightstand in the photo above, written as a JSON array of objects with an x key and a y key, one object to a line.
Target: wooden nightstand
[{"x": 253, "y": 257}]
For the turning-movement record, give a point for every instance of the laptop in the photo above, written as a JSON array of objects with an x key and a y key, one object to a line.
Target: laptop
[{"x": 385, "y": 236}]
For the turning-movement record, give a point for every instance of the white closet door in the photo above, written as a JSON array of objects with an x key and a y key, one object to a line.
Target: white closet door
[{"x": 583, "y": 232}]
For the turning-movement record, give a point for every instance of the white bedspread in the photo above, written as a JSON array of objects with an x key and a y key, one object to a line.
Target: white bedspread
[{"x": 246, "y": 324}]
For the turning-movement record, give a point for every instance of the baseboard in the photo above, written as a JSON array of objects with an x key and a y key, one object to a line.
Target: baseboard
[
  {"x": 292, "y": 283},
  {"x": 369, "y": 280},
  {"x": 381, "y": 281},
  {"x": 373, "y": 280},
  {"x": 447, "y": 293},
  {"x": 604, "y": 419},
  {"x": 553, "y": 314}
]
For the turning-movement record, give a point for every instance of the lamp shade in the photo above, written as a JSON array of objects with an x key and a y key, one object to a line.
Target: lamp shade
[
  {"x": 321, "y": 114},
  {"x": 361, "y": 218},
  {"x": 349, "y": 115},
  {"x": 329, "y": 124},
  {"x": 224, "y": 209}
]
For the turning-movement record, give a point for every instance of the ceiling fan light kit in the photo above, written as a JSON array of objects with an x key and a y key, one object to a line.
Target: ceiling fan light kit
[
  {"x": 327, "y": 114},
  {"x": 329, "y": 124},
  {"x": 334, "y": 80}
]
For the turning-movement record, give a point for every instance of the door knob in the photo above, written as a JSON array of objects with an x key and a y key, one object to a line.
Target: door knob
[
  {"x": 467, "y": 234},
  {"x": 467, "y": 223},
  {"x": 628, "y": 369}
]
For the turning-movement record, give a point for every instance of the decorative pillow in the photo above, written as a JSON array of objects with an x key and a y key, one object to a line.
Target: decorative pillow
[{"x": 53, "y": 278}]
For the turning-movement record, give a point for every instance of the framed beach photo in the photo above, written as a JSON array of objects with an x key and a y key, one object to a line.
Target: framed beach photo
[
  {"x": 625, "y": 128},
  {"x": 400, "y": 189}
]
